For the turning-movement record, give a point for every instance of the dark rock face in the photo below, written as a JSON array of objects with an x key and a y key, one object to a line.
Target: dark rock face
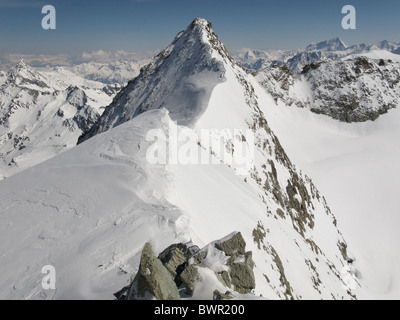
[
  {"x": 347, "y": 90},
  {"x": 240, "y": 264}
]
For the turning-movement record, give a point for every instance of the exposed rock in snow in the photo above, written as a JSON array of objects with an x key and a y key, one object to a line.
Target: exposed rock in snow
[
  {"x": 226, "y": 259},
  {"x": 152, "y": 279},
  {"x": 352, "y": 89}
]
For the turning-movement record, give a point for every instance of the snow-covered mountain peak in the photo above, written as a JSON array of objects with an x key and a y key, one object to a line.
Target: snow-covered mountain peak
[
  {"x": 335, "y": 44},
  {"x": 21, "y": 64},
  {"x": 198, "y": 86},
  {"x": 24, "y": 75},
  {"x": 180, "y": 78},
  {"x": 199, "y": 38}
]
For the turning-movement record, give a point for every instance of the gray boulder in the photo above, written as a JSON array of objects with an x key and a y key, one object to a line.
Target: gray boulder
[
  {"x": 153, "y": 279},
  {"x": 241, "y": 272}
]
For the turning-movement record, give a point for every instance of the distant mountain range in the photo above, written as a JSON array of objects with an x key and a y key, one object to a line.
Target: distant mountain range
[
  {"x": 42, "y": 113},
  {"x": 295, "y": 60},
  {"x": 107, "y": 67}
]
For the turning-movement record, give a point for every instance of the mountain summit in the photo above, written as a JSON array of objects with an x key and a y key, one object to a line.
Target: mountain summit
[
  {"x": 181, "y": 77},
  {"x": 335, "y": 44},
  {"x": 101, "y": 202}
]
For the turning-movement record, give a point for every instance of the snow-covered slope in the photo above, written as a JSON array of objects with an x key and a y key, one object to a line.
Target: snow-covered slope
[
  {"x": 89, "y": 211},
  {"x": 356, "y": 167},
  {"x": 355, "y": 88},
  {"x": 203, "y": 88},
  {"x": 43, "y": 113}
]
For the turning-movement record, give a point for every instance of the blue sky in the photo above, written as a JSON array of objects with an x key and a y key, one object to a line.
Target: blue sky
[{"x": 142, "y": 25}]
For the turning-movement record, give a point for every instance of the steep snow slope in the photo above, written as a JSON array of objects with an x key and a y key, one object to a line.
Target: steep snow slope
[
  {"x": 355, "y": 166},
  {"x": 43, "y": 113},
  {"x": 89, "y": 211}
]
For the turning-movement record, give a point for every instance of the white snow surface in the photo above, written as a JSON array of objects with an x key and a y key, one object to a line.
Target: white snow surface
[
  {"x": 89, "y": 211},
  {"x": 355, "y": 167}
]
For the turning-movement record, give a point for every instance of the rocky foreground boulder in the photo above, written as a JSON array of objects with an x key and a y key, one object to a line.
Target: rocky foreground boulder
[{"x": 178, "y": 270}]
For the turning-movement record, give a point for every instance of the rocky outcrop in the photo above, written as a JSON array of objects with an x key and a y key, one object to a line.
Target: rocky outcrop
[
  {"x": 240, "y": 264},
  {"x": 355, "y": 89},
  {"x": 179, "y": 268},
  {"x": 153, "y": 279}
]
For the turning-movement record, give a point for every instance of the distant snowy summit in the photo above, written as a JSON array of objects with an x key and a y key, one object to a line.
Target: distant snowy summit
[
  {"x": 43, "y": 112},
  {"x": 329, "y": 45}
]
